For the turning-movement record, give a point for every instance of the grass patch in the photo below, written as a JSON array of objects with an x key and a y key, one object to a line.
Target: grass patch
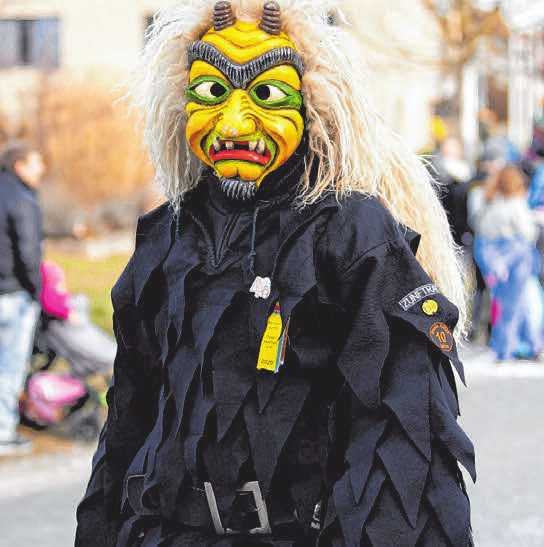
[{"x": 95, "y": 278}]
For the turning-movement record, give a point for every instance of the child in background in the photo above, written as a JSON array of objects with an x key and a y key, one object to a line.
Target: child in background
[
  {"x": 56, "y": 300},
  {"x": 68, "y": 329}
]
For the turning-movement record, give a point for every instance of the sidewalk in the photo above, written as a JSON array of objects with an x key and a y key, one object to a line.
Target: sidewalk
[
  {"x": 39, "y": 492},
  {"x": 480, "y": 364},
  {"x": 53, "y": 461}
]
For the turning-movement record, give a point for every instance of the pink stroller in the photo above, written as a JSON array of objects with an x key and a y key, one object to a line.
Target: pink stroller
[{"x": 66, "y": 403}]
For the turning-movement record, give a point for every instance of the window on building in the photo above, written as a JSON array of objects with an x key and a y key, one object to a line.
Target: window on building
[{"x": 29, "y": 42}]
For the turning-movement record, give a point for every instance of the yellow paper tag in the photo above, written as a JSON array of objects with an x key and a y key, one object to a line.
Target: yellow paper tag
[{"x": 272, "y": 351}]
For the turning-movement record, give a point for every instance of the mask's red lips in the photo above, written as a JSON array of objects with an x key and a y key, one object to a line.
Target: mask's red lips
[{"x": 254, "y": 151}]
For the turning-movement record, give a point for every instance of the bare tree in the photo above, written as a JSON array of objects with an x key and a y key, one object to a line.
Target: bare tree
[{"x": 463, "y": 27}]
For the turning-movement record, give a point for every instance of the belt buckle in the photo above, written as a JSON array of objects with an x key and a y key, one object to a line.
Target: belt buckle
[{"x": 262, "y": 513}]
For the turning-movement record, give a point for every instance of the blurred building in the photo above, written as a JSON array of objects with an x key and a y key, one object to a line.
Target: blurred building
[
  {"x": 526, "y": 67},
  {"x": 506, "y": 75},
  {"x": 42, "y": 36},
  {"x": 72, "y": 33},
  {"x": 103, "y": 37},
  {"x": 401, "y": 46},
  {"x": 61, "y": 66}
]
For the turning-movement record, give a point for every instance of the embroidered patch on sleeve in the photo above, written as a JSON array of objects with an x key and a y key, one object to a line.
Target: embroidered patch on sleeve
[
  {"x": 441, "y": 336},
  {"x": 417, "y": 295}
]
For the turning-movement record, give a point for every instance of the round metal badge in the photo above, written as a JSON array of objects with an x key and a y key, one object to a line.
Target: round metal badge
[{"x": 430, "y": 307}]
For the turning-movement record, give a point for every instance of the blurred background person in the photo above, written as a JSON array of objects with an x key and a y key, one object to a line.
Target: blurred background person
[
  {"x": 506, "y": 253},
  {"x": 56, "y": 301},
  {"x": 453, "y": 172},
  {"x": 535, "y": 154},
  {"x": 21, "y": 171},
  {"x": 536, "y": 204},
  {"x": 67, "y": 329},
  {"x": 497, "y": 152}
]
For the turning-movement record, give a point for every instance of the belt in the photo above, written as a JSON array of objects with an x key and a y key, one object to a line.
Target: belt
[
  {"x": 249, "y": 502},
  {"x": 249, "y": 513}
]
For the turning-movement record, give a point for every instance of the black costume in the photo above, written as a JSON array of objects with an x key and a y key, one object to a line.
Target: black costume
[{"x": 353, "y": 441}]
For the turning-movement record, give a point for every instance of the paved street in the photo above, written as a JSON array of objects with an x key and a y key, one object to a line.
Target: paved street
[
  {"x": 38, "y": 496},
  {"x": 502, "y": 411}
]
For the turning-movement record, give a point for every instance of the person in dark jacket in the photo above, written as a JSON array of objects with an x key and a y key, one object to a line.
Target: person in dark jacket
[
  {"x": 453, "y": 173},
  {"x": 285, "y": 365},
  {"x": 21, "y": 172}
]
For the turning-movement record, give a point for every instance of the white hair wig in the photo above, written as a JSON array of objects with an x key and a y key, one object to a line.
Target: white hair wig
[{"x": 352, "y": 147}]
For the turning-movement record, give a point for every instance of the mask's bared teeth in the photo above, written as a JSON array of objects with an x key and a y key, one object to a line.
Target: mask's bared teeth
[
  {"x": 229, "y": 145},
  {"x": 216, "y": 144},
  {"x": 252, "y": 145},
  {"x": 261, "y": 147}
]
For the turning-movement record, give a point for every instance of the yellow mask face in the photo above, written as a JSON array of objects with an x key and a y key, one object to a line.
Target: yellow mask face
[{"x": 244, "y": 103}]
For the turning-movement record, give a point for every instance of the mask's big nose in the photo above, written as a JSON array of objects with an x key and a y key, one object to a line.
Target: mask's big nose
[{"x": 238, "y": 119}]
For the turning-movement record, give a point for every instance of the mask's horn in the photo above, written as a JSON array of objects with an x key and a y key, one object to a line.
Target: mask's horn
[
  {"x": 223, "y": 16},
  {"x": 271, "y": 20}
]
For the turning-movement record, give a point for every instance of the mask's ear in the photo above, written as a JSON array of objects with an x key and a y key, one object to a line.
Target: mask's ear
[
  {"x": 271, "y": 20},
  {"x": 223, "y": 16}
]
